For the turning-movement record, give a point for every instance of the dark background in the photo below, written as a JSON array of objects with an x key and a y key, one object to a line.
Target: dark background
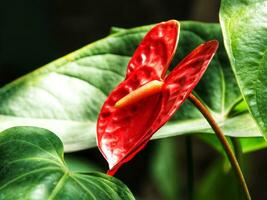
[{"x": 35, "y": 32}]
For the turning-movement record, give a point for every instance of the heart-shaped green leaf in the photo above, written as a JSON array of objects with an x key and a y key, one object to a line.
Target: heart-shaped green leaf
[
  {"x": 32, "y": 167},
  {"x": 244, "y": 26},
  {"x": 66, "y": 95}
]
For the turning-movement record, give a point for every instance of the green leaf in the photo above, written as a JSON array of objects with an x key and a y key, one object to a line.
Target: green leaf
[
  {"x": 115, "y": 29},
  {"x": 66, "y": 95},
  {"x": 32, "y": 167},
  {"x": 81, "y": 164},
  {"x": 244, "y": 26},
  {"x": 247, "y": 144}
]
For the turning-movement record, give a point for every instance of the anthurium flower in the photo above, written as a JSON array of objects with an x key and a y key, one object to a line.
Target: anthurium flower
[{"x": 147, "y": 98}]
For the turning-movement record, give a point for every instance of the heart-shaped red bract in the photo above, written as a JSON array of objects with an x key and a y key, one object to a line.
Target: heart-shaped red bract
[{"x": 123, "y": 131}]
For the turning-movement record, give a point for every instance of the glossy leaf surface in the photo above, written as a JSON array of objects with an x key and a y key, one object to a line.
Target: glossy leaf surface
[
  {"x": 80, "y": 163},
  {"x": 32, "y": 167},
  {"x": 244, "y": 26},
  {"x": 66, "y": 95}
]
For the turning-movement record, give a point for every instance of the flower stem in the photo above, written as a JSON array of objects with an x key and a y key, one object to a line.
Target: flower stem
[
  {"x": 229, "y": 152},
  {"x": 190, "y": 167}
]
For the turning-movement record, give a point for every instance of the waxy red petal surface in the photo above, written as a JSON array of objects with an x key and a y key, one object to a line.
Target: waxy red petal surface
[
  {"x": 120, "y": 129},
  {"x": 157, "y": 48},
  {"x": 178, "y": 85},
  {"x": 181, "y": 81},
  {"x": 123, "y": 132}
]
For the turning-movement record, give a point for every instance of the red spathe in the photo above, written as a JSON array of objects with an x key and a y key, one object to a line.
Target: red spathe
[{"x": 123, "y": 132}]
